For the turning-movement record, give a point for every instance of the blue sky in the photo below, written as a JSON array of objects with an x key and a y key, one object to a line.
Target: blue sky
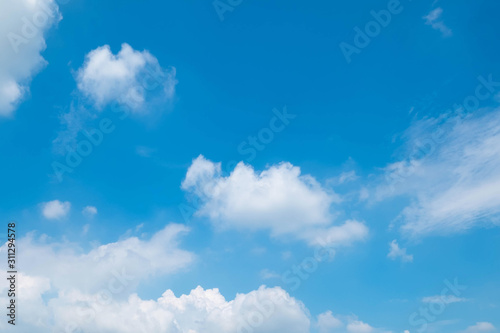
[{"x": 230, "y": 141}]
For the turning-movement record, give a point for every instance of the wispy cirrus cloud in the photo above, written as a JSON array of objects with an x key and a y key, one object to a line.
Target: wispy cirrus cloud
[
  {"x": 435, "y": 21},
  {"x": 455, "y": 184},
  {"x": 480, "y": 327}
]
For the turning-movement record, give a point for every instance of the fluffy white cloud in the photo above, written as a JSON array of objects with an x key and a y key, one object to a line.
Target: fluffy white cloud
[
  {"x": 443, "y": 299},
  {"x": 23, "y": 25},
  {"x": 55, "y": 209},
  {"x": 434, "y": 20},
  {"x": 128, "y": 78},
  {"x": 451, "y": 175},
  {"x": 396, "y": 252},
  {"x": 119, "y": 265},
  {"x": 480, "y": 327},
  {"x": 278, "y": 199},
  {"x": 89, "y": 211}
]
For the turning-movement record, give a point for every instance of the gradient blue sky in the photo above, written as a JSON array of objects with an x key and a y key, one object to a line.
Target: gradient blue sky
[{"x": 354, "y": 122}]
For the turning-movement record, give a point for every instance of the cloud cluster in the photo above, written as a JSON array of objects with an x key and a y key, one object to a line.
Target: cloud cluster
[
  {"x": 278, "y": 199},
  {"x": 23, "y": 26},
  {"x": 58, "y": 294},
  {"x": 264, "y": 310},
  {"x": 127, "y": 77}
]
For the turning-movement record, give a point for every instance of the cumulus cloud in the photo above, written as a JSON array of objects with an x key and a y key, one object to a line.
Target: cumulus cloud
[
  {"x": 128, "y": 78},
  {"x": 279, "y": 199},
  {"x": 480, "y": 327},
  {"x": 396, "y": 252},
  {"x": 89, "y": 211},
  {"x": 453, "y": 179},
  {"x": 55, "y": 209},
  {"x": 23, "y": 26},
  {"x": 434, "y": 20}
]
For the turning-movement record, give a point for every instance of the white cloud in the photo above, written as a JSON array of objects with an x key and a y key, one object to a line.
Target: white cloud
[
  {"x": 396, "y": 252},
  {"x": 128, "y": 78},
  {"x": 260, "y": 311},
  {"x": 451, "y": 175},
  {"x": 22, "y": 27},
  {"x": 89, "y": 211},
  {"x": 434, "y": 20},
  {"x": 327, "y": 323},
  {"x": 343, "y": 178},
  {"x": 267, "y": 274},
  {"x": 443, "y": 299},
  {"x": 359, "y": 327},
  {"x": 480, "y": 327},
  {"x": 58, "y": 296},
  {"x": 55, "y": 210},
  {"x": 131, "y": 259},
  {"x": 278, "y": 199}
]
